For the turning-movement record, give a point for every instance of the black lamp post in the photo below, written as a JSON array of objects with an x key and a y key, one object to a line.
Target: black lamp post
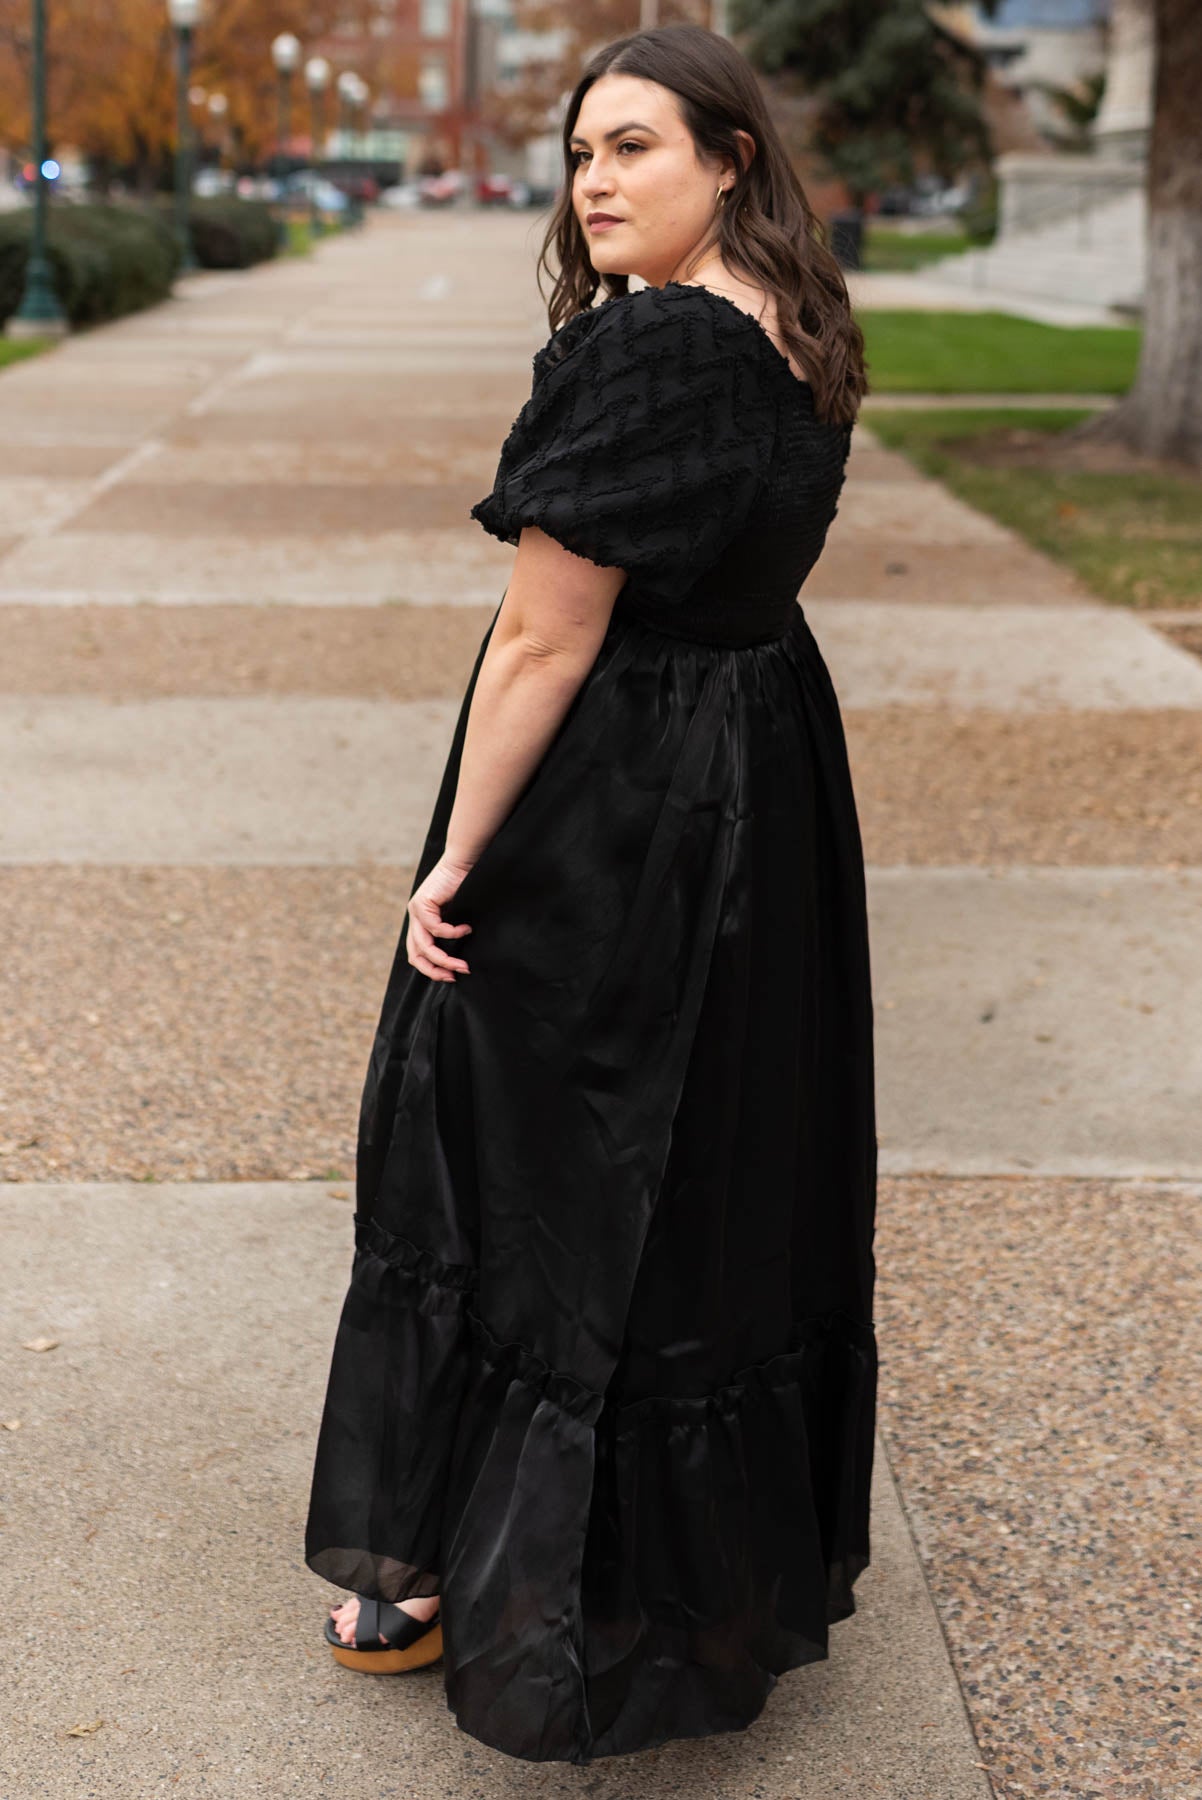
[
  {"x": 352, "y": 93},
  {"x": 317, "y": 80},
  {"x": 286, "y": 55},
  {"x": 40, "y": 313},
  {"x": 185, "y": 17},
  {"x": 218, "y": 110}
]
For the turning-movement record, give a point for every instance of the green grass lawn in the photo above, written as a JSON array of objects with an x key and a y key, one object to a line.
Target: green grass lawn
[
  {"x": 885, "y": 249},
  {"x": 300, "y": 237},
  {"x": 17, "y": 349},
  {"x": 1135, "y": 538},
  {"x": 994, "y": 352}
]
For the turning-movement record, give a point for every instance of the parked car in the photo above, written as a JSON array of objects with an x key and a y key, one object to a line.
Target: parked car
[
  {"x": 441, "y": 190},
  {"x": 402, "y": 197},
  {"x": 502, "y": 190},
  {"x": 895, "y": 202},
  {"x": 363, "y": 188},
  {"x": 941, "y": 201},
  {"x": 207, "y": 183},
  {"x": 317, "y": 189}
]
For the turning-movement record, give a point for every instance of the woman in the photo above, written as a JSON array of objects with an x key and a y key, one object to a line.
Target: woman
[{"x": 599, "y": 1425}]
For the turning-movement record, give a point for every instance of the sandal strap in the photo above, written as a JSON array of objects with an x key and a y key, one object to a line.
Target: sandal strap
[
  {"x": 401, "y": 1628},
  {"x": 367, "y": 1625},
  {"x": 379, "y": 1619}
]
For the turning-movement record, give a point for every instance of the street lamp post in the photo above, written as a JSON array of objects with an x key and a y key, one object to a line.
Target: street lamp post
[
  {"x": 352, "y": 92},
  {"x": 286, "y": 55},
  {"x": 40, "y": 313},
  {"x": 359, "y": 102},
  {"x": 317, "y": 80},
  {"x": 218, "y": 108},
  {"x": 347, "y": 84},
  {"x": 185, "y": 17}
]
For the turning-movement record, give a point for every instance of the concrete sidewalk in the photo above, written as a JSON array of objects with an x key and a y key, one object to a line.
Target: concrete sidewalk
[{"x": 240, "y": 598}]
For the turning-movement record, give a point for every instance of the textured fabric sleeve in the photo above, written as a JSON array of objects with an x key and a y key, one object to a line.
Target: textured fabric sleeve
[{"x": 643, "y": 445}]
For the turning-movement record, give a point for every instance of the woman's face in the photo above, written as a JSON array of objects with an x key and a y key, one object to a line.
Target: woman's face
[{"x": 635, "y": 161}]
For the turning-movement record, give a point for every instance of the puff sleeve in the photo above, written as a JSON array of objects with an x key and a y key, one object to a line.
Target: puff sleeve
[{"x": 645, "y": 440}]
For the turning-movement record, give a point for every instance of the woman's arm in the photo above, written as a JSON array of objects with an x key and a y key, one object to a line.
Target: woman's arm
[{"x": 548, "y": 631}]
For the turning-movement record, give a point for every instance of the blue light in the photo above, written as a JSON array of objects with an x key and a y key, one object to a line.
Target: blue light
[{"x": 51, "y": 169}]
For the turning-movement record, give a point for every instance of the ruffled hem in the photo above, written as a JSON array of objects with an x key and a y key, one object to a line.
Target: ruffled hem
[{"x": 613, "y": 1576}]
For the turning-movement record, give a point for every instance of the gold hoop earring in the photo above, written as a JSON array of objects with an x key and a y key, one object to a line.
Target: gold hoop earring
[{"x": 721, "y": 196}]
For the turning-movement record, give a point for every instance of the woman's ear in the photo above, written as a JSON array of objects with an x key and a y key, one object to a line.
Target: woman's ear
[{"x": 747, "y": 149}]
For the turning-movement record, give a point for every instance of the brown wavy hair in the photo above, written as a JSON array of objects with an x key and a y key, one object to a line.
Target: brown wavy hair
[{"x": 766, "y": 228}]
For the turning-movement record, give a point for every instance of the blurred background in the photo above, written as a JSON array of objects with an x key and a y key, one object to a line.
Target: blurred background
[{"x": 1021, "y": 126}]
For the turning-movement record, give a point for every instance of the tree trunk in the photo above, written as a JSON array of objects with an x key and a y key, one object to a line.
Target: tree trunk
[{"x": 1162, "y": 414}]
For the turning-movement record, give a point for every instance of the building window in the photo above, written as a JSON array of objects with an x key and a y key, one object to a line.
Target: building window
[
  {"x": 432, "y": 82},
  {"x": 436, "y": 18}
]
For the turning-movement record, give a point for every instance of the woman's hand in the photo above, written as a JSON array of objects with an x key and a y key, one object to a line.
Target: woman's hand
[{"x": 426, "y": 921}]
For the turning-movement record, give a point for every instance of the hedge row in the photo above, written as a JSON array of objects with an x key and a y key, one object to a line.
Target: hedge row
[
  {"x": 109, "y": 260},
  {"x": 232, "y": 234}
]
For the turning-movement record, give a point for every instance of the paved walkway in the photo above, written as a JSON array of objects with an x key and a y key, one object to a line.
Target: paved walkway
[{"x": 240, "y": 597}]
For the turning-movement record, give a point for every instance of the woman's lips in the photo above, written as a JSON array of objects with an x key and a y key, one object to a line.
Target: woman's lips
[{"x": 604, "y": 224}]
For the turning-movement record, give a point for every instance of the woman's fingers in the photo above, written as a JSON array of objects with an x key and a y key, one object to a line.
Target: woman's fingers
[{"x": 426, "y": 955}]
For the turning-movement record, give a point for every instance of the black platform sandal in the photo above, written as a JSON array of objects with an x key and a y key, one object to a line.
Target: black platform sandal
[{"x": 412, "y": 1643}]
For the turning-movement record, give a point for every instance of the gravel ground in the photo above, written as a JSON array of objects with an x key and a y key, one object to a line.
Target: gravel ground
[
  {"x": 1188, "y": 636},
  {"x": 1040, "y": 1343},
  {"x": 271, "y": 509},
  {"x": 138, "y": 653},
  {"x": 937, "y": 785},
  {"x": 865, "y": 565},
  {"x": 199, "y": 1024}
]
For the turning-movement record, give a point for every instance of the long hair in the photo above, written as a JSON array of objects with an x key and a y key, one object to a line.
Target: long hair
[{"x": 765, "y": 229}]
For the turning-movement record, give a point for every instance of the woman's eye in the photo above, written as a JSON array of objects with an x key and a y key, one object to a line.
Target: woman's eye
[{"x": 627, "y": 144}]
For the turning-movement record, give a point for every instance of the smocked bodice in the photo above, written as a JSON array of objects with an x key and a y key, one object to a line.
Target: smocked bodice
[{"x": 666, "y": 435}]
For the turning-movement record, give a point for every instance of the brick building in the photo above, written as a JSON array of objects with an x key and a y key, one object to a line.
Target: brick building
[{"x": 427, "y": 64}]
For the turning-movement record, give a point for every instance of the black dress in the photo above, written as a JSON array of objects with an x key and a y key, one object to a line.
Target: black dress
[{"x": 605, "y": 1374}]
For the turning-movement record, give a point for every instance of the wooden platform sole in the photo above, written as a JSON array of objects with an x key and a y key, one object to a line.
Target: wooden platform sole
[{"x": 427, "y": 1649}]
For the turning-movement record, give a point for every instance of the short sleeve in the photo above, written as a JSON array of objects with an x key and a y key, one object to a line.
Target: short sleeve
[{"x": 644, "y": 442}]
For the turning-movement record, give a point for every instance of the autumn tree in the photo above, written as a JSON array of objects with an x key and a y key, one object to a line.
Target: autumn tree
[
  {"x": 111, "y": 73},
  {"x": 526, "y": 109}
]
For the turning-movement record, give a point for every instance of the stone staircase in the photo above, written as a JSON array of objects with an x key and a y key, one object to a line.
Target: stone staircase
[{"x": 1090, "y": 251}]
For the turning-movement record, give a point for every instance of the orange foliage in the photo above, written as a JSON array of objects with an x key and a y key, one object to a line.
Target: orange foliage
[
  {"x": 523, "y": 111},
  {"x": 111, "y": 71}
]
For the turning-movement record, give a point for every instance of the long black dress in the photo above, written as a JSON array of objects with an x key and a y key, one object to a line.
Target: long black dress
[{"x": 605, "y": 1374}]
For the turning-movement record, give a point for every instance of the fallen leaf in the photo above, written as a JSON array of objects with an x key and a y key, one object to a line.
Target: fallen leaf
[
  {"x": 41, "y": 1344},
  {"x": 83, "y": 1730},
  {"x": 10, "y": 1424}
]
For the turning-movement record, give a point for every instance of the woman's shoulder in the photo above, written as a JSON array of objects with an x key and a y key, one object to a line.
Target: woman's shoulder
[
  {"x": 604, "y": 327},
  {"x": 681, "y": 332}
]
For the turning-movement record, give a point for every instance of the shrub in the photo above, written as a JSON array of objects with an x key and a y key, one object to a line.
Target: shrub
[
  {"x": 107, "y": 260},
  {"x": 228, "y": 233}
]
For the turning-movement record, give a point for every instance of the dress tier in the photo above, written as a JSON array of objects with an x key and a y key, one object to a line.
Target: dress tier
[{"x": 605, "y": 1373}]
